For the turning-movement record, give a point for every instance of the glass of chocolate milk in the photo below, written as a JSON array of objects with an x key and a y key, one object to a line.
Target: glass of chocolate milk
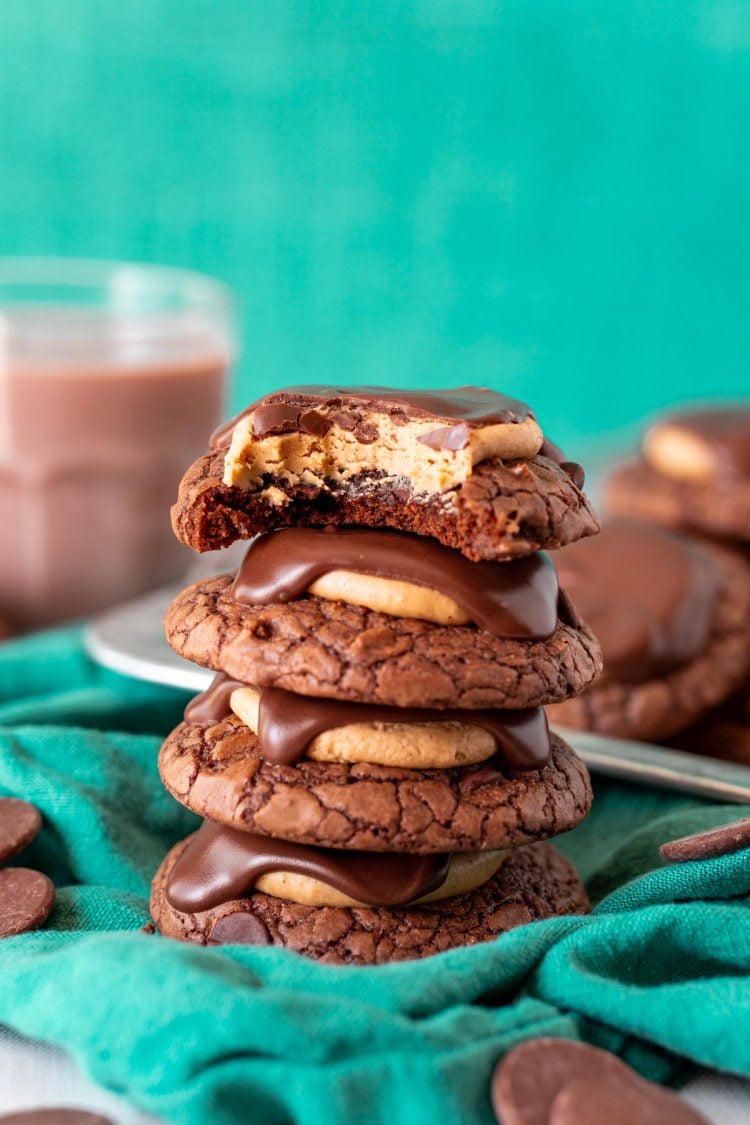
[{"x": 112, "y": 376}]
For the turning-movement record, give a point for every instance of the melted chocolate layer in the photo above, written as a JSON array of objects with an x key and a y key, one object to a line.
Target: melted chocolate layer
[
  {"x": 648, "y": 595},
  {"x": 517, "y": 599},
  {"x": 288, "y": 723},
  {"x": 293, "y": 409},
  {"x": 212, "y": 705},
  {"x": 222, "y": 864},
  {"x": 728, "y": 434}
]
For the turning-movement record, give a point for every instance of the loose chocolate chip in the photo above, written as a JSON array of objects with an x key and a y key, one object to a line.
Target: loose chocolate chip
[
  {"x": 545, "y": 1082},
  {"x": 56, "y": 1115},
  {"x": 26, "y": 898},
  {"x": 619, "y": 1102},
  {"x": 713, "y": 842},
  {"x": 240, "y": 928},
  {"x": 19, "y": 826}
]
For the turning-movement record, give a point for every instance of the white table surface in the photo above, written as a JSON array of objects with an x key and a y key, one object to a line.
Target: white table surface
[{"x": 34, "y": 1075}]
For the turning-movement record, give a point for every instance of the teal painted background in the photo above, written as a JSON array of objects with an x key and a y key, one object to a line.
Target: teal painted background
[{"x": 545, "y": 195}]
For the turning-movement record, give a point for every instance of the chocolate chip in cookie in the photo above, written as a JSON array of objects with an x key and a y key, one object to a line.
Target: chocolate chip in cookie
[{"x": 535, "y": 882}]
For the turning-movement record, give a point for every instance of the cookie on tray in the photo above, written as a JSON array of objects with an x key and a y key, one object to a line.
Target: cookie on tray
[
  {"x": 723, "y": 733},
  {"x": 694, "y": 473},
  {"x": 672, "y": 615}
]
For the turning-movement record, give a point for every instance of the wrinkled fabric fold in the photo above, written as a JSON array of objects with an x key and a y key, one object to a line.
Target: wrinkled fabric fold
[{"x": 231, "y": 1034}]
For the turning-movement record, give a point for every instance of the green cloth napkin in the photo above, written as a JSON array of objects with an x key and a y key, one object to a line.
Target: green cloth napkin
[{"x": 658, "y": 973}]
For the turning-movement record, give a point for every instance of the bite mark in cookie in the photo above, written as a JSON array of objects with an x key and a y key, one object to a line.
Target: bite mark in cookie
[
  {"x": 315, "y": 435},
  {"x": 504, "y": 509}
]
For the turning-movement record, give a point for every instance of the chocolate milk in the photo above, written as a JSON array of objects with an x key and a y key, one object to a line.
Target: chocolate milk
[{"x": 93, "y": 442}]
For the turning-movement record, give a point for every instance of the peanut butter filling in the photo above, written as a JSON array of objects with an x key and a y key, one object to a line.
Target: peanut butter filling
[
  {"x": 403, "y": 745},
  {"x": 466, "y": 872},
  {"x": 396, "y": 452},
  {"x": 389, "y": 595}
]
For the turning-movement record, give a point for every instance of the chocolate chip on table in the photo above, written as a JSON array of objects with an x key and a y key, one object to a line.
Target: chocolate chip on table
[
  {"x": 19, "y": 826},
  {"x": 563, "y": 1082},
  {"x": 26, "y": 898},
  {"x": 724, "y": 840},
  {"x": 241, "y": 928},
  {"x": 617, "y": 1101},
  {"x": 54, "y": 1115}
]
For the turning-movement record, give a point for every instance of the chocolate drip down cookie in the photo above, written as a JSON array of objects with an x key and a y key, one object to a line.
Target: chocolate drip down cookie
[{"x": 372, "y": 761}]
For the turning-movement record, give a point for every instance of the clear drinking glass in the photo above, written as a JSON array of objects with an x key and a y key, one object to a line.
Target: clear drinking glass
[{"x": 112, "y": 377}]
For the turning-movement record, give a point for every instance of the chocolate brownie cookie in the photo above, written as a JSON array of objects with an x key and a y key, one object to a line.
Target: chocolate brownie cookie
[
  {"x": 673, "y": 619},
  {"x": 636, "y": 490},
  {"x": 535, "y": 882},
  {"x": 317, "y": 647},
  {"x": 503, "y": 510},
  {"x": 723, "y": 733},
  {"x": 217, "y": 772},
  {"x": 469, "y": 467},
  {"x": 694, "y": 473}
]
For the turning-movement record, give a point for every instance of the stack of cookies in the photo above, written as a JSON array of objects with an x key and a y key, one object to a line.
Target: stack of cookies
[
  {"x": 666, "y": 589},
  {"x": 372, "y": 760}
]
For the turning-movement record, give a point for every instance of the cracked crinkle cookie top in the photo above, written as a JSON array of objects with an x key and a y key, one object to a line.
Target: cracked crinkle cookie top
[{"x": 469, "y": 466}]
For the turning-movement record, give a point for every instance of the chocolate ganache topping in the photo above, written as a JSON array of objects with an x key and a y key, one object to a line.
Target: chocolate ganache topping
[
  {"x": 294, "y": 410},
  {"x": 212, "y": 705},
  {"x": 517, "y": 599},
  {"x": 647, "y": 594},
  {"x": 223, "y": 864},
  {"x": 288, "y": 723}
]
